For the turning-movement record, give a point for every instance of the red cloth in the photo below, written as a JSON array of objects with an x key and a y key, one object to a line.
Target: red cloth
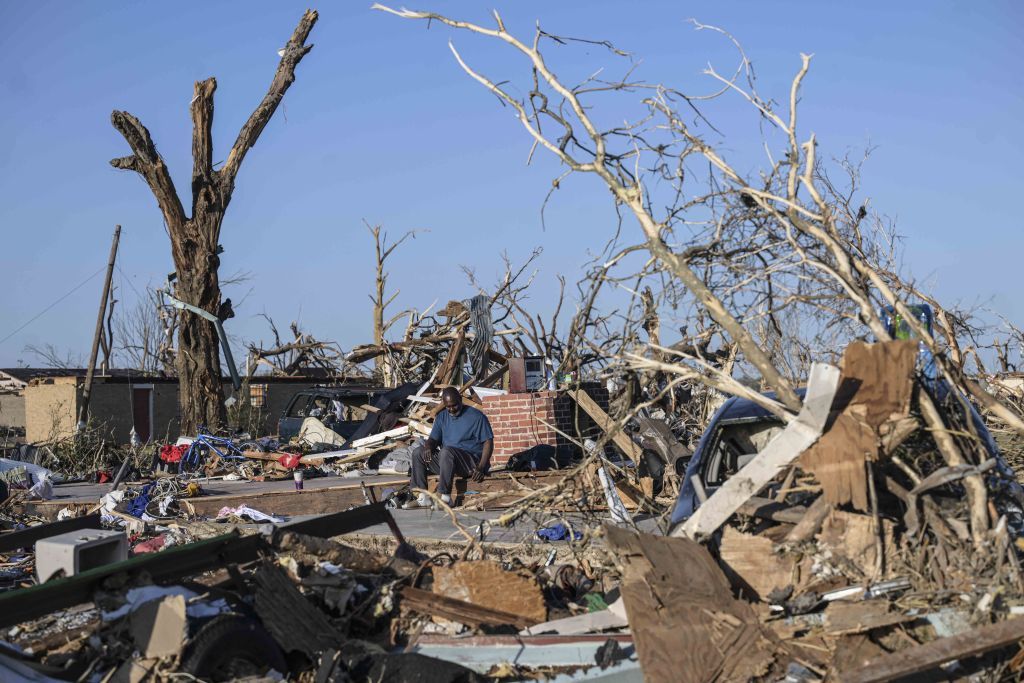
[
  {"x": 171, "y": 453},
  {"x": 289, "y": 460},
  {"x": 151, "y": 546}
]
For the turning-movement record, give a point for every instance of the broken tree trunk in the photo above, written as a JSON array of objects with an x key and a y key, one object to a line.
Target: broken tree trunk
[{"x": 195, "y": 240}]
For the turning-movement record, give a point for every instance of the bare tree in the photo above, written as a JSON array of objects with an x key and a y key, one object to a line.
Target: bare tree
[
  {"x": 614, "y": 169},
  {"x": 195, "y": 239},
  {"x": 302, "y": 354},
  {"x": 143, "y": 335},
  {"x": 383, "y": 250},
  {"x": 49, "y": 356},
  {"x": 789, "y": 245}
]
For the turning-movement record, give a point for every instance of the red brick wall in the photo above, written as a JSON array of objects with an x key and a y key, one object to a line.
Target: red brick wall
[{"x": 522, "y": 421}]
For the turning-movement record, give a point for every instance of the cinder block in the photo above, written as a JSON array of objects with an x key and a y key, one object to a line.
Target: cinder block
[{"x": 78, "y": 551}]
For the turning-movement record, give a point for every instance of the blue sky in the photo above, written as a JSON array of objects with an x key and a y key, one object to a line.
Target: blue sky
[{"x": 381, "y": 125}]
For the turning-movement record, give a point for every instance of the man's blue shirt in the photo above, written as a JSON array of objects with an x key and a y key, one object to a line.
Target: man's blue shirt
[{"x": 467, "y": 431}]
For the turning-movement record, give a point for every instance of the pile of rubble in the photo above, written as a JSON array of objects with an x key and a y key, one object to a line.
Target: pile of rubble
[
  {"x": 294, "y": 602},
  {"x": 850, "y": 542}
]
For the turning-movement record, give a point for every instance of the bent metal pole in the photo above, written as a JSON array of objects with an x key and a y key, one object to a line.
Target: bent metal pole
[{"x": 83, "y": 413}]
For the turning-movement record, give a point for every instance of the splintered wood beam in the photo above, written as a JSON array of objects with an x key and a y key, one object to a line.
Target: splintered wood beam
[
  {"x": 934, "y": 653},
  {"x": 607, "y": 424},
  {"x": 461, "y": 611}
]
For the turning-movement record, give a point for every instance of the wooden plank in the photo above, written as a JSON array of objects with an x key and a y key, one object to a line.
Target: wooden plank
[
  {"x": 811, "y": 521},
  {"x": 306, "y": 502},
  {"x": 260, "y": 455},
  {"x": 328, "y": 499},
  {"x": 798, "y": 435},
  {"x": 766, "y": 508},
  {"x": 463, "y": 612},
  {"x": 375, "y": 439},
  {"x": 498, "y": 374},
  {"x": 752, "y": 560},
  {"x": 607, "y": 424},
  {"x": 843, "y": 618},
  {"x": 934, "y": 653},
  {"x": 452, "y": 364},
  {"x": 334, "y": 498},
  {"x": 421, "y": 427}
]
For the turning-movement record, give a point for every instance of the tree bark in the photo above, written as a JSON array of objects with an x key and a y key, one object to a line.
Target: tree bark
[{"x": 195, "y": 240}]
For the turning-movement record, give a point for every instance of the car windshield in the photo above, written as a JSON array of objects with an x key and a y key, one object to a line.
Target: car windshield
[{"x": 734, "y": 445}]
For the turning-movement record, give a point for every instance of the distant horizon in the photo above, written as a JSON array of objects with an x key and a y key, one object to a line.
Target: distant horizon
[{"x": 382, "y": 126}]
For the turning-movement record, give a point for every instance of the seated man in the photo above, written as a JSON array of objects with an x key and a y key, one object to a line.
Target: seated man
[{"x": 466, "y": 440}]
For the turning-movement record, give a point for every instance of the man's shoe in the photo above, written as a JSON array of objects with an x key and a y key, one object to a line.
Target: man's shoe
[
  {"x": 421, "y": 501},
  {"x": 446, "y": 499}
]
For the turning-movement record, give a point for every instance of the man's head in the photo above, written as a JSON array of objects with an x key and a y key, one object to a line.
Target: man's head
[{"x": 452, "y": 401}]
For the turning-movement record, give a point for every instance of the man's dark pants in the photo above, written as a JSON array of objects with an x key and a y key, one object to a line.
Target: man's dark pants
[{"x": 447, "y": 463}]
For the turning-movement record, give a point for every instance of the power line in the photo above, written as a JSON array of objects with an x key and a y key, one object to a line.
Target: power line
[{"x": 43, "y": 312}]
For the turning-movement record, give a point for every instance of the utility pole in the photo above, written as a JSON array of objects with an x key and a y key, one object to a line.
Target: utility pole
[{"x": 83, "y": 413}]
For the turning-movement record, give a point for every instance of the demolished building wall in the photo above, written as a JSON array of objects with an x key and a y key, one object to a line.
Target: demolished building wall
[
  {"x": 12, "y": 410},
  {"x": 51, "y": 405},
  {"x": 543, "y": 418},
  {"x": 50, "y": 409}
]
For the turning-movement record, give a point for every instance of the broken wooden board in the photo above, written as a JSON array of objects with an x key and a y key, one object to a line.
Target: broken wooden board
[
  {"x": 486, "y": 584},
  {"x": 875, "y": 387},
  {"x": 607, "y": 424},
  {"x": 854, "y": 538},
  {"x": 773, "y": 510},
  {"x": 375, "y": 439},
  {"x": 780, "y": 452},
  {"x": 426, "y": 602},
  {"x": 810, "y": 522},
  {"x": 260, "y": 455},
  {"x": 753, "y": 561},
  {"x": 853, "y": 652},
  {"x": 305, "y": 502},
  {"x": 843, "y": 618},
  {"x": 932, "y": 654},
  {"x": 686, "y": 625}
]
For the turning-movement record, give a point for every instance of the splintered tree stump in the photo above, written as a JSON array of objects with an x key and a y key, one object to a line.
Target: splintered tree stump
[{"x": 195, "y": 239}]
